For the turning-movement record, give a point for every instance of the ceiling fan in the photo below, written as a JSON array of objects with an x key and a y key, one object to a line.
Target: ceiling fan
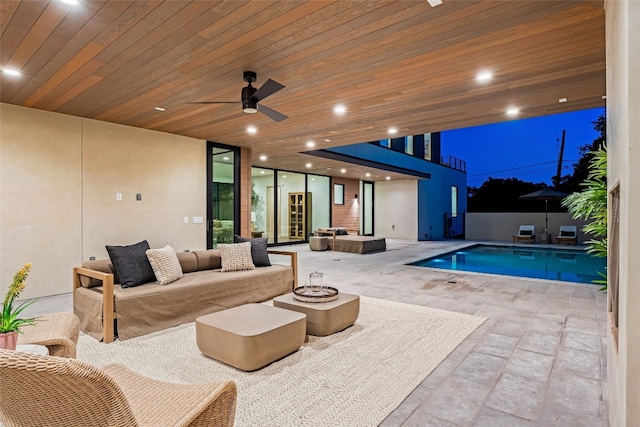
[{"x": 251, "y": 97}]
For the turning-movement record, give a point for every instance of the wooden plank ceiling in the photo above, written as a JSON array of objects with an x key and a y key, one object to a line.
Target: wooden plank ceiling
[{"x": 400, "y": 64}]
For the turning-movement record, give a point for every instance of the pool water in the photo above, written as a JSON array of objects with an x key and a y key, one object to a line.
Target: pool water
[{"x": 569, "y": 265}]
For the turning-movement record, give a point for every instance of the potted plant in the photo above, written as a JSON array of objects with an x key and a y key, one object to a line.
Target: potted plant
[{"x": 10, "y": 322}]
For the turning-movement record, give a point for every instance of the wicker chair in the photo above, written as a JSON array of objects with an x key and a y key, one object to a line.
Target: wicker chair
[
  {"x": 58, "y": 331},
  {"x": 46, "y": 390}
]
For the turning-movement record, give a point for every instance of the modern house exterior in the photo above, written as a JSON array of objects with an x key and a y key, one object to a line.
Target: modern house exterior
[{"x": 81, "y": 169}]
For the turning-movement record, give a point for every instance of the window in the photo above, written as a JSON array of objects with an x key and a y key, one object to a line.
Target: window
[
  {"x": 338, "y": 194},
  {"x": 454, "y": 201},
  {"x": 408, "y": 145},
  {"x": 427, "y": 146}
]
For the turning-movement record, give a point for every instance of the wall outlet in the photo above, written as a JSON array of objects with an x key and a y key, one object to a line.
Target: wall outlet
[
  {"x": 198, "y": 220},
  {"x": 118, "y": 196},
  {"x": 186, "y": 220},
  {"x": 138, "y": 196},
  {"x": 92, "y": 258}
]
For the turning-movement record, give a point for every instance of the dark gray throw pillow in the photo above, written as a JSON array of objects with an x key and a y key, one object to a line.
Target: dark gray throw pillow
[
  {"x": 259, "y": 253},
  {"x": 131, "y": 264}
]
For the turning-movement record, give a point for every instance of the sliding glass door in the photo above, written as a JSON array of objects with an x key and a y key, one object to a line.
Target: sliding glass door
[{"x": 367, "y": 208}]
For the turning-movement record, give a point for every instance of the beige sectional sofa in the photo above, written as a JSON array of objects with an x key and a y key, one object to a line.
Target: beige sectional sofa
[{"x": 106, "y": 309}]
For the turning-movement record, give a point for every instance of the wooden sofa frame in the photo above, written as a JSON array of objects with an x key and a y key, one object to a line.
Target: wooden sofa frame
[{"x": 109, "y": 314}]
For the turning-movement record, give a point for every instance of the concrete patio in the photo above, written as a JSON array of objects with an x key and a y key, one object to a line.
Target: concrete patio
[{"x": 539, "y": 359}]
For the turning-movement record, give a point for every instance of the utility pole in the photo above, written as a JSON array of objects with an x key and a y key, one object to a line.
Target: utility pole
[{"x": 559, "y": 173}]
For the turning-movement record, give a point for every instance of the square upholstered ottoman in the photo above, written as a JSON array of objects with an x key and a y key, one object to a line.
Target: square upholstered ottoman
[
  {"x": 250, "y": 336},
  {"x": 324, "y": 318}
]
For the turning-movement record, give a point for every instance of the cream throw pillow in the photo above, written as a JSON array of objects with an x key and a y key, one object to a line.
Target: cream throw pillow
[
  {"x": 165, "y": 264},
  {"x": 236, "y": 257}
]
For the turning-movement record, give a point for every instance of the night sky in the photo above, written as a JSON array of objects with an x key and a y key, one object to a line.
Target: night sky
[{"x": 526, "y": 149}]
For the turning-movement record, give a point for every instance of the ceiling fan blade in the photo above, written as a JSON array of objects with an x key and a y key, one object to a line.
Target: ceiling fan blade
[
  {"x": 268, "y": 88},
  {"x": 214, "y": 102},
  {"x": 272, "y": 114}
]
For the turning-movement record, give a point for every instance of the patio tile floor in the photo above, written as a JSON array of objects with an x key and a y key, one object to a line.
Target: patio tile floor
[{"x": 538, "y": 360}]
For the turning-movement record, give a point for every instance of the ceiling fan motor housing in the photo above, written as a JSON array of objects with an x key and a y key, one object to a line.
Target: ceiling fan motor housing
[{"x": 249, "y": 105}]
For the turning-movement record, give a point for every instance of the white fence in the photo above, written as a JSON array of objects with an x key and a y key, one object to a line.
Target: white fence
[{"x": 504, "y": 225}]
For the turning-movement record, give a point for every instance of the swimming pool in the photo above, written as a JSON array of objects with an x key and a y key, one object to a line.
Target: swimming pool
[{"x": 569, "y": 265}]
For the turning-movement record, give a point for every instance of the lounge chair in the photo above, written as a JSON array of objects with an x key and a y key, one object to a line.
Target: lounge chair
[
  {"x": 57, "y": 331},
  {"x": 568, "y": 234},
  {"x": 48, "y": 390},
  {"x": 526, "y": 234}
]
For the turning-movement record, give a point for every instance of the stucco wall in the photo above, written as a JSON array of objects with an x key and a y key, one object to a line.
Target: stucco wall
[
  {"x": 59, "y": 176},
  {"x": 623, "y": 144},
  {"x": 434, "y": 200},
  {"x": 503, "y": 225}
]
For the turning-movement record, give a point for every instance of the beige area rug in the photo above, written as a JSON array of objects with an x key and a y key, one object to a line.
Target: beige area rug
[{"x": 353, "y": 378}]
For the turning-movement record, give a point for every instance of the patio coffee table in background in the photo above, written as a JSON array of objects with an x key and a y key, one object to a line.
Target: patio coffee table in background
[{"x": 324, "y": 318}]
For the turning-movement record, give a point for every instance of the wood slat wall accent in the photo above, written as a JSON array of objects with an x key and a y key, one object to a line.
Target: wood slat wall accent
[
  {"x": 245, "y": 192},
  {"x": 347, "y": 215},
  {"x": 402, "y": 64}
]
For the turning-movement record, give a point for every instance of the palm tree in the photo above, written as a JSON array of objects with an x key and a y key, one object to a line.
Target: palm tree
[{"x": 591, "y": 204}]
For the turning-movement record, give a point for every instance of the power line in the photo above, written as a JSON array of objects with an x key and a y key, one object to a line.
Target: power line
[{"x": 513, "y": 169}]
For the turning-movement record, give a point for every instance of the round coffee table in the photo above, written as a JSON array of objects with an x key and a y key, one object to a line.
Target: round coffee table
[
  {"x": 33, "y": 349},
  {"x": 324, "y": 318}
]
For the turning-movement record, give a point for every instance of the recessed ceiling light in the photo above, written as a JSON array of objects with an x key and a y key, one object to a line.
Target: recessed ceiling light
[
  {"x": 160, "y": 109},
  {"x": 252, "y": 130},
  {"x": 367, "y": 174},
  {"x": 308, "y": 165},
  {"x": 434, "y": 3},
  {"x": 343, "y": 170},
  {"x": 71, "y": 2},
  {"x": 393, "y": 131},
  {"x": 339, "y": 109},
  {"x": 561, "y": 100},
  {"x": 11, "y": 72},
  {"x": 327, "y": 140},
  {"x": 310, "y": 144},
  {"x": 512, "y": 111},
  {"x": 225, "y": 158},
  {"x": 388, "y": 178},
  {"x": 484, "y": 76},
  {"x": 263, "y": 157}
]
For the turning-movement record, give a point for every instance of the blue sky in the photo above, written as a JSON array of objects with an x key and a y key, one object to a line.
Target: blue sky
[{"x": 526, "y": 149}]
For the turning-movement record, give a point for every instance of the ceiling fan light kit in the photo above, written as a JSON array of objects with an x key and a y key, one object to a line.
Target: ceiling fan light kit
[{"x": 251, "y": 96}]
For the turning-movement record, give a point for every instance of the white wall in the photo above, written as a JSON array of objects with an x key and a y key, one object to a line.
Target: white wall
[
  {"x": 59, "y": 176},
  {"x": 396, "y": 209},
  {"x": 623, "y": 159},
  {"x": 504, "y": 225},
  {"x": 40, "y": 198}
]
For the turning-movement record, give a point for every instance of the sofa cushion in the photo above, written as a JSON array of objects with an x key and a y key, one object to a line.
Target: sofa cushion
[
  {"x": 103, "y": 265},
  {"x": 259, "y": 254},
  {"x": 131, "y": 264},
  {"x": 165, "y": 264},
  {"x": 208, "y": 260},
  {"x": 188, "y": 261},
  {"x": 236, "y": 256}
]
